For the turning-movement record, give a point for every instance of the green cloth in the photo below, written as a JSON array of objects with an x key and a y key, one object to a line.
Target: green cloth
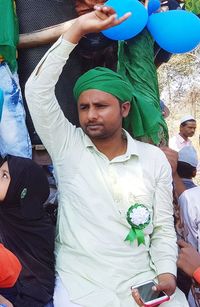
[
  {"x": 9, "y": 33},
  {"x": 1, "y": 103},
  {"x": 193, "y": 6},
  {"x": 136, "y": 65},
  {"x": 136, "y": 81}
]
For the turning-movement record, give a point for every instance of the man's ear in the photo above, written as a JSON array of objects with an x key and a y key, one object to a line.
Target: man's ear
[{"x": 125, "y": 108}]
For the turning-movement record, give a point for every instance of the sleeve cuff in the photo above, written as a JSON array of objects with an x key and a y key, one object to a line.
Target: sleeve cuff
[
  {"x": 163, "y": 268},
  {"x": 62, "y": 48}
]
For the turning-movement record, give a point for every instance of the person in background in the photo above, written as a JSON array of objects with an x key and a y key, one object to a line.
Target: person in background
[
  {"x": 187, "y": 166},
  {"x": 168, "y": 5},
  {"x": 188, "y": 198},
  {"x": 14, "y": 136},
  {"x": 184, "y": 168},
  {"x": 189, "y": 260},
  {"x": 26, "y": 230},
  {"x": 189, "y": 263},
  {"x": 186, "y": 130}
]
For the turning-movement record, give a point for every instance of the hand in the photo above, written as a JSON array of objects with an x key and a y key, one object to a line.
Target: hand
[
  {"x": 166, "y": 283},
  {"x": 188, "y": 258},
  {"x": 102, "y": 18},
  {"x": 172, "y": 157},
  {"x": 136, "y": 296}
]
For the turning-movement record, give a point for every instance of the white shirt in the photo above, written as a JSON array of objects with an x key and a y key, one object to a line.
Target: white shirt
[
  {"x": 189, "y": 202},
  {"x": 94, "y": 263},
  {"x": 177, "y": 142}
]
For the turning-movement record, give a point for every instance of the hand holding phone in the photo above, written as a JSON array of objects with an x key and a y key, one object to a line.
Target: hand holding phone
[{"x": 147, "y": 296}]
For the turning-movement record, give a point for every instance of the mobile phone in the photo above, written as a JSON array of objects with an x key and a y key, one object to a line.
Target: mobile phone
[{"x": 150, "y": 297}]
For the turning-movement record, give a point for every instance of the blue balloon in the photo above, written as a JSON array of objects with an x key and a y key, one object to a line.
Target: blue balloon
[
  {"x": 176, "y": 31},
  {"x": 153, "y": 6},
  {"x": 133, "y": 25}
]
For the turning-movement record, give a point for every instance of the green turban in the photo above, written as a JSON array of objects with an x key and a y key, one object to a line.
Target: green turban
[
  {"x": 106, "y": 80},
  {"x": 136, "y": 81}
]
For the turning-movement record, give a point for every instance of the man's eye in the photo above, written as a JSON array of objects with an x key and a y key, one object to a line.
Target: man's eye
[
  {"x": 101, "y": 106},
  {"x": 82, "y": 107}
]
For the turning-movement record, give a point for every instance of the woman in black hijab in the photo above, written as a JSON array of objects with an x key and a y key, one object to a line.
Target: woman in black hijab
[{"x": 27, "y": 231}]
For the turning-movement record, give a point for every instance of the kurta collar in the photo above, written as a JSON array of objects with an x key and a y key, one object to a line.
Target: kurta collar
[
  {"x": 131, "y": 145},
  {"x": 182, "y": 140}
]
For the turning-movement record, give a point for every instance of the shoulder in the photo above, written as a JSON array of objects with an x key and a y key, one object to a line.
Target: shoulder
[
  {"x": 188, "y": 197},
  {"x": 189, "y": 202},
  {"x": 173, "y": 138},
  {"x": 174, "y": 142},
  {"x": 152, "y": 150},
  {"x": 153, "y": 159},
  {"x": 193, "y": 193}
]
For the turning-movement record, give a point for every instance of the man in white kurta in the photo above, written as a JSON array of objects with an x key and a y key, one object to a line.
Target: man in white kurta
[
  {"x": 94, "y": 264},
  {"x": 187, "y": 129}
]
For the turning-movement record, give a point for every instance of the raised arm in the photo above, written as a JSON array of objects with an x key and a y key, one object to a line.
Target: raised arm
[
  {"x": 100, "y": 19},
  {"x": 44, "y": 36},
  {"x": 49, "y": 121},
  {"x": 50, "y": 34}
]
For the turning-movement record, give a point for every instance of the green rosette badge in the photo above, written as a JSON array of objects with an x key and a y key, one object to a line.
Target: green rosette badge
[{"x": 138, "y": 217}]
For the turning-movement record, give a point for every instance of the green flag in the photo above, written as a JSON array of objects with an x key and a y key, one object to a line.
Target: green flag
[{"x": 9, "y": 33}]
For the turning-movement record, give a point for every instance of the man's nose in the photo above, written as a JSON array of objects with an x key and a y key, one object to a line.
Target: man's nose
[{"x": 92, "y": 114}]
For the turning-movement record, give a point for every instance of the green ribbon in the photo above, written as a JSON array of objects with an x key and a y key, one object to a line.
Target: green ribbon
[{"x": 136, "y": 234}]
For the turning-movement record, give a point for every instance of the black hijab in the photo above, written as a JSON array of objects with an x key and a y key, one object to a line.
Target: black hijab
[{"x": 28, "y": 232}]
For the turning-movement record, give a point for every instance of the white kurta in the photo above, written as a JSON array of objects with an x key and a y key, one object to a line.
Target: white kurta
[
  {"x": 189, "y": 202},
  {"x": 177, "y": 142},
  {"x": 94, "y": 263}
]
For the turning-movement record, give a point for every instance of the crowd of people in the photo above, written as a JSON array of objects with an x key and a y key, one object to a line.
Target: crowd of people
[{"x": 124, "y": 203}]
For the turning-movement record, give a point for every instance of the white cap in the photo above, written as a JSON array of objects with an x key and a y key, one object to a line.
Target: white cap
[
  {"x": 186, "y": 118},
  {"x": 188, "y": 154}
]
